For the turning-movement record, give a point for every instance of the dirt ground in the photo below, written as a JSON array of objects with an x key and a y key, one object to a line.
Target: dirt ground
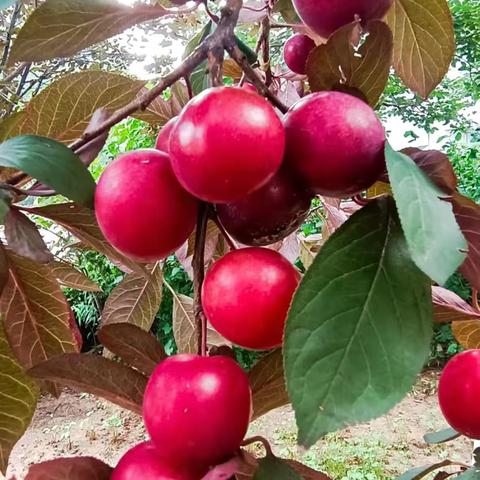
[{"x": 79, "y": 424}]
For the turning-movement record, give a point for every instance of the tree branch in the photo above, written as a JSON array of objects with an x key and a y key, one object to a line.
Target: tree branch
[
  {"x": 265, "y": 41},
  {"x": 237, "y": 55},
  {"x": 11, "y": 28},
  {"x": 143, "y": 101}
]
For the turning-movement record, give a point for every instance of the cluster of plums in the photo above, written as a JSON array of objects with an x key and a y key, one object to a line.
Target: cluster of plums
[
  {"x": 196, "y": 411},
  {"x": 229, "y": 147},
  {"x": 323, "y": 17}
]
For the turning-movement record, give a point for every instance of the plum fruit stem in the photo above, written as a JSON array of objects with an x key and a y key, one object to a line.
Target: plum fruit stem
[{"x": 198, "y": 265}]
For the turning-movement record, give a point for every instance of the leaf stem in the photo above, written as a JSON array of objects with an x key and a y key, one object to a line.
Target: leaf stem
[
  {"x": 475, "y": 304},
  {"x": 224, "y": 233},
  {"x": 259, "y": 439}
]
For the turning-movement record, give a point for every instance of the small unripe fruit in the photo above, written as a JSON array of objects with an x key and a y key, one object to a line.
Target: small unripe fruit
[
  {"x": 246, "y": 296},
  {"x": 269, "y": 214},
  {"x": 141, "y": 208},
  {"x": 142, "y": 462},
  {"x": 326, "y": 16},
  {"x": 335, "y": 143},
  {"x": 227, "y": 143},
  {"x": 296, "y": 51},
  {"x": 197, "y": 409},
  {"x": 163, "y": 138},
  {"x": 459, "y": 393}
]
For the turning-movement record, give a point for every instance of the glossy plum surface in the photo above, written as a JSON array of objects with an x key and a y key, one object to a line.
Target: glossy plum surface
[
  {"x": 227, "y": 143},
  {"x": 335, "y": 143},
  {"x": 141, "y": 208},
  {"x": 247, "y": 294},
  {"x": 296, "y": 51}
]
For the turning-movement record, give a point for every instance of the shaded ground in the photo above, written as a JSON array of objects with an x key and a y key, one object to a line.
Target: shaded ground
[{"x": 82, "y": 425}]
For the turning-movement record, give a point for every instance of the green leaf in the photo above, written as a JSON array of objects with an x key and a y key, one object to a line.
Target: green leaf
[
  {"x": 51, "y": 163},
  {"x": 272, "y": 467},
  {"x": 61, "y": 28},
  {"x": 359, "y": 328},
  {"x": 195, "y": 41},
  {"x": 199, "y": 79},
  {"x": 17, "y": 401},
  {"x": 470, "y": 474},
  {"x": 434, "y": 239},
  {"x": 5, "y": 201},
  {"x": 247, "y": 51},
  {"x": 441, "y": 436}
]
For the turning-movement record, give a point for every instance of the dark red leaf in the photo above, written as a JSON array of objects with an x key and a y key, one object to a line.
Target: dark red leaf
[
  {"x": 88, "y": 153},
  {"x": 436, "y": 165},
  {"x": 96, "y": 375},
  {"x": 24, "y": 238},
  {"x": 449, "y": 307},
  {"x": 467, "y": 213},
  {"x": 133, "y": 345},
  {"x": 74, "y": 468},
  {"x": 3, "y": 268}
]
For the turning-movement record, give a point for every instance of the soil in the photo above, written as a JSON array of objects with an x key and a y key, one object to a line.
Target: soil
[{"x": 80, "y": 424}]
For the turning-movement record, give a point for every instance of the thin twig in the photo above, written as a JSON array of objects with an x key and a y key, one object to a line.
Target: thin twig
[
  {"x": 359, "y": 200},
  {"x": 259, "y": 439},
  {"x": 212, "y": 16},
  {"x": 475, "y": 304},
  {"x": 253, "y": 77},
  {"x": 188, "y": 83},
  {"x": 14, "y": 74},
  {"x": 266, "y": 66},
  {"x": 224, "y": 233},
  {"x": 30, "y": 193},
  {"x": 198, "y": 264},
  {"x": 11, "y": 29},
  {"x": 143, "y": 101}
]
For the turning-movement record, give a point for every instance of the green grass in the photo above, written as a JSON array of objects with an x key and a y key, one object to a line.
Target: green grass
[{"x": 339, "y": 458}]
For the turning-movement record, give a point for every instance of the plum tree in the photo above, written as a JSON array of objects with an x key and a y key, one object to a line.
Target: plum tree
[
  {"x": 270, "y": 213},
  {"x": 197, "y": 409},
  {"x": 142, "y": 462},
  {"x": 335, "y": 143},
  {"x": 459, "y": 391},
  {"x": 163, "y": 137},
  {"x": 326, "y": 16},
  {"x": 246, "y": 296},
  {"x": 347, "y": 339},
  {"x": 227, "y": 143},
  {"x": 296, "y": 51},
  {"x": 141, "y": 208}
]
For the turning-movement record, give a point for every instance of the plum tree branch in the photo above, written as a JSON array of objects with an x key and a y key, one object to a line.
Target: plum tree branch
[{"x": 223, "y": 38}]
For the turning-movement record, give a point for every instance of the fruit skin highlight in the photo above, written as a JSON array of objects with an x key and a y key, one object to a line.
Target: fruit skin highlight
[
  {"x": 197, "y": 409},
  {"x": 296, "y": 51},
  {"x": 335, "y": 144},
  {"x": 246, "y": 296},
  {"x": 227, "y": 143},
  {"x": 326, "y": 16},
  {"x": 163, "y": 138},
  {"x": 459, "y": 393},
  {"x": 142, "y": 463},
  {"x": 141, "y": 208},
  {"x": 269, "y": 214}
]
